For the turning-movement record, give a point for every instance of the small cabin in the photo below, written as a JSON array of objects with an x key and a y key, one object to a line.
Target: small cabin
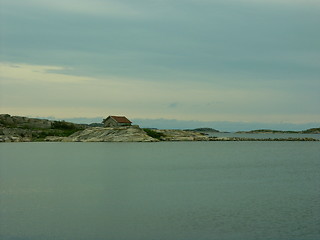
[{"x": 116, "y": 121}]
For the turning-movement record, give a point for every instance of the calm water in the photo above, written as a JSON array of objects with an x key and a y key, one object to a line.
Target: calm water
[
  {"x": 160, "y": 191},
  {"x": 264, "y": 135}
]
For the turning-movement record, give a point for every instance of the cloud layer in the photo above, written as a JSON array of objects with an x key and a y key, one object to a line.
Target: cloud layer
[{"x": 247, "y": 60}]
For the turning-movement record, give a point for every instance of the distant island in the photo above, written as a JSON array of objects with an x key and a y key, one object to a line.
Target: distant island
[
  {"x": 24, "y": 129},
  {"x": 308, "y": 131},
  {"x": 204, "y": 130}
]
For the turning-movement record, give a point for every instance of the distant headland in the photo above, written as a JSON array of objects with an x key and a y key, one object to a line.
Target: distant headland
[
  {"x": 308, "y": 131},
  {"x": 113, "y": 129}
]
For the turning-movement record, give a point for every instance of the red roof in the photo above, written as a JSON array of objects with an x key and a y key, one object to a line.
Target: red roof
[{"x": 121, "y": 119}]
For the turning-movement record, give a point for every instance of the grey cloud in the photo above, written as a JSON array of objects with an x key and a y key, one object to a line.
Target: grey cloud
[
  {"x": 173, "y": 105},
  {"x": 231, "y": 44},
  {"x": 216, "y": 38}
]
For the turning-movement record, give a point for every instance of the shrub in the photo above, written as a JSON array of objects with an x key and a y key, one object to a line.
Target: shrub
[
  {"x": 63, "y": 125},
  {"x": 153, "y": 133}
]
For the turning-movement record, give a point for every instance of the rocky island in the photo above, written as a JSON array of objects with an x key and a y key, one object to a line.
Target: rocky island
[
  {"x": 308, "y": 131},
  {"x": 24, "y": 129}
]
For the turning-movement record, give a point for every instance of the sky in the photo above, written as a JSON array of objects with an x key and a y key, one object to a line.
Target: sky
[{"x": 242, "y": 61}]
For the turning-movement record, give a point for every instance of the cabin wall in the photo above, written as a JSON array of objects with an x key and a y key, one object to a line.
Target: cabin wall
[{"x": 112, "y": 123}]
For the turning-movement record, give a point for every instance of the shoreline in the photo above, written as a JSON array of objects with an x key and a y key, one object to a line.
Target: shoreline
[
  {"x": 136, "y": 134},
  {"x": 23, "y": 129}
]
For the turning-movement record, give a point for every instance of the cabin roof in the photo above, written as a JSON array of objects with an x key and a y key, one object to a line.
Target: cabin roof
[{"x": 120, "y": 119}]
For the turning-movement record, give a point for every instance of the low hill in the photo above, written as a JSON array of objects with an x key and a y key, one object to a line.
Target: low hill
[
  {"x": 312, "y": 130},
  {"x": 24, "y": 129},
  {"x": 308, "y": 131},
  {"x": 204, "y": 130}
]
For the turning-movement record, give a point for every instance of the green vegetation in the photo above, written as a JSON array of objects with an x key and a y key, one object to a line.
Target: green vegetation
[
  {"x": 271, "y": 131},
  {"x": 267, "y": 131},
  {"x": 58, "y": 129},
  {"x": 153, "y": 133},
  {"x": 204, "y": 130},
  {"x": 63, "y": 125},
  {"x": 40, "y": 135},
  {"x": 312, "y": 130},
  {"x": 7, "y": 125}
]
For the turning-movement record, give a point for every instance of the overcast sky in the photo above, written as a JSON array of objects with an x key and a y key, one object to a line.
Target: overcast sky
[{"x": 202, "y": 60}]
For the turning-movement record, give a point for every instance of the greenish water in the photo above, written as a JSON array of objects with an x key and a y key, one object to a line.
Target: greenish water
[
  {"x": 160, "y": 191},
  {"x": 264, "y": 135}
]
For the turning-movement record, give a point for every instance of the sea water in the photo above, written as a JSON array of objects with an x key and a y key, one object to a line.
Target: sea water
[
  {"x": 264, "y": 135},
  {"x": 160, "y": 191}
]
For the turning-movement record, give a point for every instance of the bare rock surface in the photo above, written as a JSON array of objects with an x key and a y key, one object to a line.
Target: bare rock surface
[
  {"x": 55, "y": 139},
  {"x": 117, "y": 134},
  {"x": 15, "y": 135},
  {"x": 181, "y": 135}
]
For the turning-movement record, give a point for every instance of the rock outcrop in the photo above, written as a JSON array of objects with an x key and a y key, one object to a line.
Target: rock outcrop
[
  {"x": 24, "y": 129},
  {"x": 16, "y": 134},
  {"x": 7, "y": 120},
  {"x": 181, "y": 135},
  {"x": 16, "y": 121},
  {"x": 117, "y": 134}
]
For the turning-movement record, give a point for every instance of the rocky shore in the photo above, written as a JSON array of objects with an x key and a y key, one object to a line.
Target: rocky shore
[
  {"x": 122, "y": 134},
  {"x": 23, "y": 129},
  {"x": 117, "y": 134}
]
